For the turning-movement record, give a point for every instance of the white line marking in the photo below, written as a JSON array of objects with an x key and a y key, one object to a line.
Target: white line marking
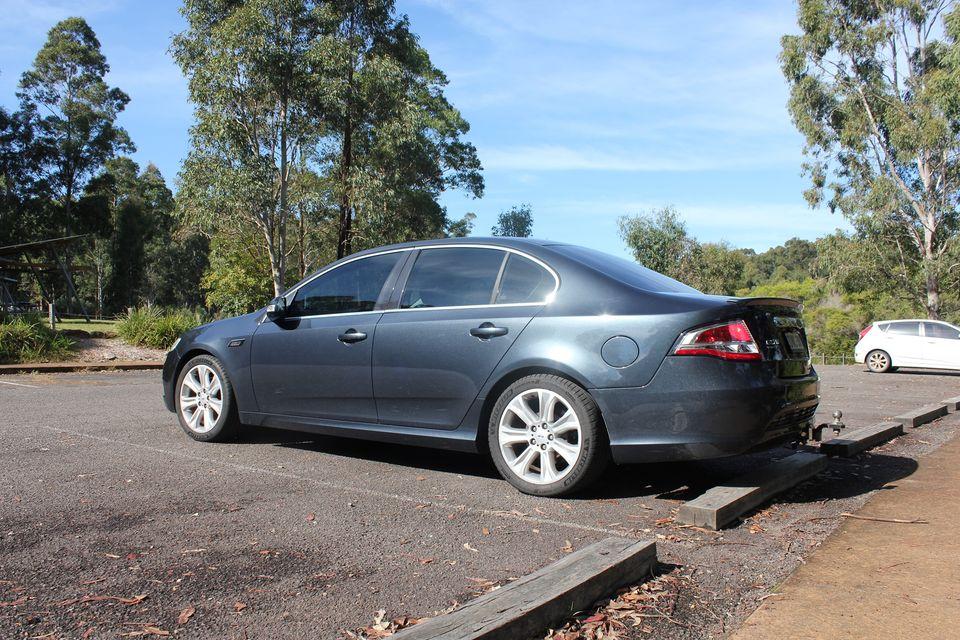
[
  {"x": 343, "y": 487},
  {"x": 18, "y": 384}
]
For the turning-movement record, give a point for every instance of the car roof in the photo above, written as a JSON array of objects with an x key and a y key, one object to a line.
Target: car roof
[
  {"x": 496, "y": 241},
  {"x": 911, "y": 320}
]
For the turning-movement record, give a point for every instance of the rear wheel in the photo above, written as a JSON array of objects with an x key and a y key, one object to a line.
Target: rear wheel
[
  {"x": 546, "y": 436},
  {"x": 205, "y": 405},
  {"x": 878, "y": 361}
]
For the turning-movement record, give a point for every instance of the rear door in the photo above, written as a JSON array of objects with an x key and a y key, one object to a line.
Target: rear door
[
  {"x": 941, "y": 345},
  {"x": 902, "y": 340},
  {"x": 460, "y": 310}
]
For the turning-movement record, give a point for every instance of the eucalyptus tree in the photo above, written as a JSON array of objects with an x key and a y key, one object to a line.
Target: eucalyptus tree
[
  {"x": 875, "y": 90},
  {"x": 255, "y": 77},
  {"x": 394, "y": 141},
  {"x": 72, "y": 112},
  {"x": 515, "y": 222}
]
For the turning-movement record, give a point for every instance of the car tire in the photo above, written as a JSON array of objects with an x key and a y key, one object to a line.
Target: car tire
[
  {"x": 546, "y": 436},
  {"x": 878, "y": 361},
  {"x": 205, "y": 404}
]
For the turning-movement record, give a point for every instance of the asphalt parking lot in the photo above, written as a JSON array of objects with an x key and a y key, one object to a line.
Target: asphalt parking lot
[{"x": 113, "y": 522}]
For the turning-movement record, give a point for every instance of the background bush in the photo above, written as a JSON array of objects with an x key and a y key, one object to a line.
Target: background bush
[
  {"x": 27, "y": 338},
  {"x": 155, "y": 327}
]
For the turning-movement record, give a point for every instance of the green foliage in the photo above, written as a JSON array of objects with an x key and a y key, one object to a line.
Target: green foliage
[
  {"x": 238, "y": 280},
  {"x": 516, "y": 222},
  {"x": 72, "y": 111},
  {"x": 315, "y": 117},
  {"x": 461, "y": 228},
  {"x": 27, "y": 338},
  {"x": 808, "y": 291},
  {"x": 659, "y": 241},
  {"x": 831, "y": 330},
  {"x": 874, "y": 92},
  {"x": 154, "y": 327}
]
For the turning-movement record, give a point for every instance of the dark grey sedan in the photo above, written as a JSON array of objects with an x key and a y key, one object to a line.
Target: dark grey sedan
[{"x": 555, "y": 358}]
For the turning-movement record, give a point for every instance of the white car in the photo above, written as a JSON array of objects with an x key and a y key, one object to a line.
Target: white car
[{"x": 929, "y": 344}]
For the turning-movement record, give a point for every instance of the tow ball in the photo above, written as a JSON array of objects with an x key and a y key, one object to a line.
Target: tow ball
[{"x": 815, "y": 433}]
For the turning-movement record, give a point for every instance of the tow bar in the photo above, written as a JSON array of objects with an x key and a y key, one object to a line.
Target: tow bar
[{"x": 815, "y": 433}]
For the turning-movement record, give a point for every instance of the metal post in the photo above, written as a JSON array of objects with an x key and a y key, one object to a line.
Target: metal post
[{"x": 53, "y": 316}]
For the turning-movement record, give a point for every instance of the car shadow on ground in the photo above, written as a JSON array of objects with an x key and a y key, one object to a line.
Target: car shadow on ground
[
  {"x": 671, "y": 481},
  {"x": 424, "y": 458}
]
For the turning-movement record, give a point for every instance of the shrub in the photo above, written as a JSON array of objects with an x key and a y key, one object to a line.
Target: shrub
[
  {"x": 154, "y": 327},
  {"x": 28, "y": 339}
]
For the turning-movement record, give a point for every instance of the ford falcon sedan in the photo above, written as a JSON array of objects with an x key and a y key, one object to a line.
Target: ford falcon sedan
[{"x": 554, "y": 358}]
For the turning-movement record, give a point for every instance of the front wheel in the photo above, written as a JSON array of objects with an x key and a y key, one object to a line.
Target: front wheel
[
  {"x": 205, "y": 404},
  {"x": 878, "y": 361},
  {"x": 546, "y": 436}
]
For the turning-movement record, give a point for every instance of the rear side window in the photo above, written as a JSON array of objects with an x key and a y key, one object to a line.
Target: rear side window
[
  {"x": 627, "y": 272},
  {"x": 351, "y": 288},
  {"x": 937, "y": 330},
  {"x": 452, "y": 278},
  {"x": 524, "y": 280},
  {"x": 904, "y": 328}
]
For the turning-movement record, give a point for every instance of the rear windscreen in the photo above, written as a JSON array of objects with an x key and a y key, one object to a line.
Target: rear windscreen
[{"x": 625, "y": 271}]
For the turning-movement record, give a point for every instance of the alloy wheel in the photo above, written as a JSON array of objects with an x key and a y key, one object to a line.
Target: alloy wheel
[
  {"x": 201, "y": 398},
  {"x": 540, "y": 436},
  {"x": 878, "y": 361}
]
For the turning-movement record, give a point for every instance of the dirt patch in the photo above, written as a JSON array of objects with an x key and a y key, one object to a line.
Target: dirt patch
[{"x": 110, "y": 349}]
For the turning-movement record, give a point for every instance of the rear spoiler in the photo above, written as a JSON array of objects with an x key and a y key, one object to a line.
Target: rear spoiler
[{"x": 770, "y": 302}]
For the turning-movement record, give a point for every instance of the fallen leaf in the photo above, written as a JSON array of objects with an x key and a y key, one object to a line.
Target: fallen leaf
[
  {"x": 485, "y": 531},
  {"x": 311, "y": 517},
  {"x": 466, "y": 545},
  {"x": 186, "y": 614},
  {"x": 239, "y": 606},
  {"x": 421, "y": 478}
]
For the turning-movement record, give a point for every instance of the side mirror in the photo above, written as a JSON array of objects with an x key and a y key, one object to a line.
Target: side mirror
[{"x": 277, "y": 308}]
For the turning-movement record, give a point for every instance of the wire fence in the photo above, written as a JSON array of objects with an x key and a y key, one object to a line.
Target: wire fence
[{"x": 823, "y": 358}]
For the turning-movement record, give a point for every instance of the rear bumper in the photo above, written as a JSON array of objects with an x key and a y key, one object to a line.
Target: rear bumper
[{"x": 700, "y": 407}]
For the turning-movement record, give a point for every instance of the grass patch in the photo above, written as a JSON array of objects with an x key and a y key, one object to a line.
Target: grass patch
[
  {"x": 154, "y": 327},
  {"x": 27, "y": 338},
  {"x": 107, "y": 328}
]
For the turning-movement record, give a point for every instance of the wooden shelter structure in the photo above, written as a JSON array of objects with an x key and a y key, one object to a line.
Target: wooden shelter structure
[{"x": 45, "y": 260}]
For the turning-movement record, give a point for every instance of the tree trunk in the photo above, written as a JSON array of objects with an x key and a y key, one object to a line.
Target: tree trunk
[
  {"x": 932, "y": 286},
  {"x": 278, "y": 258},
  {"x": 344, "y": 231},
  {"x": 930, "y": 272}
]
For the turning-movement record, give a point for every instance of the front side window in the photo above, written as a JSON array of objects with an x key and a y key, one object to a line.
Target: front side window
[
  {"x": 452, "y": 278},
  {"x": 937, "y": 330},
  {"x": 352, "y": 288},
  {"x": 904, "y": 328},
  {"x": 524, "y": 280}
]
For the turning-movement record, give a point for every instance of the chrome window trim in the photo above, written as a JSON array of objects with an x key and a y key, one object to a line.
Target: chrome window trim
[{"x": 547, "y": 299}]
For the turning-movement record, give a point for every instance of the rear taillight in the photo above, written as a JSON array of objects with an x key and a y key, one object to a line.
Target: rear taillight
[
  {"x": 730, "y": 341},
  {"x": 865, "y": 330}
]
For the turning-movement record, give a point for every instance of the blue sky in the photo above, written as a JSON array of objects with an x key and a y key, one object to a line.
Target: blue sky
[{"x": 585, "y": 110}]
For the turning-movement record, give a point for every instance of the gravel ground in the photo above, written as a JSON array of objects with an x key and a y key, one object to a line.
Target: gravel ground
[
  {"x": 113, "y": 522},
  {"x": 110, "y": 349}
]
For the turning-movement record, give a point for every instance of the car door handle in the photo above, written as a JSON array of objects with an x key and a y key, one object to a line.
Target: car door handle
[
  {"x": 351, "y": 336},
  {"x": 488, "y": 330}
]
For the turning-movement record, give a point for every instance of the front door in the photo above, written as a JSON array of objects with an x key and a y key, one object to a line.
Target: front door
[
  {"x": 460, "y": 311},
  {"x": 316, "y": 361},
  {"x": 941, "y": 345}
]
